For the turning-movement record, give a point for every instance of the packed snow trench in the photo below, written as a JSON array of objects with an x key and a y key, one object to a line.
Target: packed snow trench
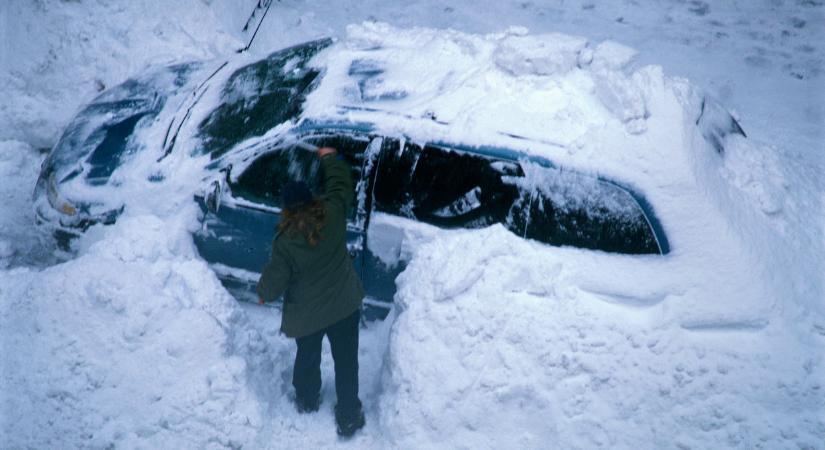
[{"x": 129, "y": 340}]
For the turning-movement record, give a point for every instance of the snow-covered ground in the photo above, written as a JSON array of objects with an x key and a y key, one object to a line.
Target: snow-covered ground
[{"x": 130, "y": 341}]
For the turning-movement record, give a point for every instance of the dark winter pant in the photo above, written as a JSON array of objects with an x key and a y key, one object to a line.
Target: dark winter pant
[{"x": 306, "y": 377}]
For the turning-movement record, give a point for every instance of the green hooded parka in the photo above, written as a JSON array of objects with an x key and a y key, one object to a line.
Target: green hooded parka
[{"x": 319, "y": 283}]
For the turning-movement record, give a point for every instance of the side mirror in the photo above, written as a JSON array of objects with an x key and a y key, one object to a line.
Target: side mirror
[{"x": 213, "y": 196}]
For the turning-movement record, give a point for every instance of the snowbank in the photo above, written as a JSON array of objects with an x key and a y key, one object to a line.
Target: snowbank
[
  {"x": 133, "y": 343},
  {"x": 508, "y": 347},
  {"x": 20, "y": 242}
]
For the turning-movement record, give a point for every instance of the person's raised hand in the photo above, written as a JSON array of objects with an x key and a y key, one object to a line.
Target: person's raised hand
[{"x": 324, "y": 151}]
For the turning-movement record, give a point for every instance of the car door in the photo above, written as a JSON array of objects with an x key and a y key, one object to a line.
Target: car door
[
  {"x": 439, "y": 186},
  {"x": 235, "y": 238}
]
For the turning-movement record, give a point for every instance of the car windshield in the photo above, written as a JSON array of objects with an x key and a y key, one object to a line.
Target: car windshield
[
  {"x": 100, "y": 135},
  {"x": 259, "y": 96}
]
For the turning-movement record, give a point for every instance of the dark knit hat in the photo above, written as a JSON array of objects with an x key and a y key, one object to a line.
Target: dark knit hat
[{"x": 295, "y": 194}]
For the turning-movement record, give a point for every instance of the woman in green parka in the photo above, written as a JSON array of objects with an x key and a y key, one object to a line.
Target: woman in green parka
[{"x": 311, "y": 268}]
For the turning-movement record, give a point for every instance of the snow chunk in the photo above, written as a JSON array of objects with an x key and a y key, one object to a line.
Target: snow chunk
[
  {"x": 543, "y": 54},
  {"x": 623, "y": 99},
  {"x": 612, "y": 55},
  {"x": 620, "y": 94}
]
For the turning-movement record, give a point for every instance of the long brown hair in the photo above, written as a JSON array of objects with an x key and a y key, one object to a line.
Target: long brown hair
[{"x": 306, "y": 221}]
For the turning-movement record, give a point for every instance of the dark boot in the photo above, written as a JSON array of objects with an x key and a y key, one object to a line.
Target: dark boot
[
  {"x": 307, "y": 405},
  {"x": 349, "y": 421}
]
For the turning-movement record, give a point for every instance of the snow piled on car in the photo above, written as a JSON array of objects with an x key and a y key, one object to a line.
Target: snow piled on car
[
  {"x": 588, "y": 107},
  {"x": 551, "y": 88},
  {"x": 583, "y": 106}
]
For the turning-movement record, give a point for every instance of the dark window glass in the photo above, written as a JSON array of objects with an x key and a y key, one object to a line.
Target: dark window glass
[
  {"x": 572, "y": 209},
  {"x": 349, "y": 147},
  {"x": 452, "y": 189},
  {"x": 391, "y": 192},
  {"x": 449, "y": 189},
  {"x": 259, "y": 96},
  {"x": 108, "y": 154},
  {"x": 262, "y": 181}
]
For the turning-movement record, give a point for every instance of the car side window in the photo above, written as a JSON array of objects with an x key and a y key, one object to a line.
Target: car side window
[
  {"x": 449, "y": 189},
  {"x": 453, "y": 189},
  {"x": 391, "y": 192},
  {"x": 262, "y": 180},
  {"x": 573, "y": 209}
]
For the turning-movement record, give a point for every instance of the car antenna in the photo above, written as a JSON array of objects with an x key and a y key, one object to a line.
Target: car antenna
[{"x": 245, "y": 27}]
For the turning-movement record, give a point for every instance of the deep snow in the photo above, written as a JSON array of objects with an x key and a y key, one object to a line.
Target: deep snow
[{"x": 132, "y": 341}]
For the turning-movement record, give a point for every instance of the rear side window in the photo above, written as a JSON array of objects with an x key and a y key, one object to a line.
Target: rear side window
[
  {"x": 569, "y": 208},
  {"x": 261, "y": 181}
]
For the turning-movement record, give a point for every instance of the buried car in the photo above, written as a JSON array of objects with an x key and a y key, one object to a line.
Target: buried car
[{"x": 479, "y": 136}]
